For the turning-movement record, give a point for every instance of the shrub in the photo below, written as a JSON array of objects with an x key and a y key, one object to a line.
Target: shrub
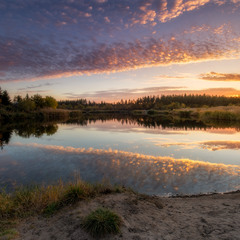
[
  {"x": 185, "y": 114},
  {"x": 73, "y": 194},
  {"x": 27, "y": 201},
  {"x": 220, "y": 115},
  {"x": 102, "y": 222},
  {"x": 52, "y": 208},
  {"x": 152, "y": 112}
]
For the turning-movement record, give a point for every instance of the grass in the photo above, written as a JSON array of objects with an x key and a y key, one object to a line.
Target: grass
[
  {"x": 7, "y": 230},
  {"x": 46, "y": 200},
  {"x": 101, "y": 222},
  {"x": 8, "y": 234},
  {"x": 31, "y": 200},
  {"x": 221, "y": 115}
]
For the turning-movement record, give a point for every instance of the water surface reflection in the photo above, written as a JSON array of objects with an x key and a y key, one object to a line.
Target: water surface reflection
[
  {"x": 152, "y": 155},
  {"x": 148, "y": 174}
]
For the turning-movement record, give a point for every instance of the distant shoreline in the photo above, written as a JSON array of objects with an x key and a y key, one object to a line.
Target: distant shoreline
[{"x": 221, "y": 113}]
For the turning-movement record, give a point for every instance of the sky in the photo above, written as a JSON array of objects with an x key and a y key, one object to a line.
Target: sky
[{"x": 107, "y": 50}]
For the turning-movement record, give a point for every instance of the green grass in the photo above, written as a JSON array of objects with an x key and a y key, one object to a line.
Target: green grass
[
  {"x": 220, "y": 115},
  {"x": 8, "y": 234},
  {"x": 7, "y": 230},
  {"x": 102, "y": 222},
  {"x": 46, "y": 200},
  {"x": 31, "y": 200},
  {"x": 51, "y": 208}
]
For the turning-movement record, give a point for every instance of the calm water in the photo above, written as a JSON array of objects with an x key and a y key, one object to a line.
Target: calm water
[{"x": 151, "y": 157}]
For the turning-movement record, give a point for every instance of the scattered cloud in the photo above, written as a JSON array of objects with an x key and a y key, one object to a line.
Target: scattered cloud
[
  {"x": 36, "y": 91},
  {"x": 166, "y": 10},
  {"x": 214, "y": 76},
  {"x": 35, "y": 86},
  {"x": 116, "y": 95},
  {"x": 107, "y": 20},
  {"x": 184, "y": 145},
  {"x": 224, "y": 28},
  {"x": 101, "y": 1},
  {"x": 28, "y": 60},
  {"x": 169, "y": 77},
  {"x": 161, "y": 78},
  {"x": 66, "y": 38}
]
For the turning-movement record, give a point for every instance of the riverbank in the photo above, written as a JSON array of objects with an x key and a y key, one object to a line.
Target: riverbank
[
  {"x": 46, "y": 114},
  {"x": 213, "y": 216},
  {"x": 204, "y": 114}
]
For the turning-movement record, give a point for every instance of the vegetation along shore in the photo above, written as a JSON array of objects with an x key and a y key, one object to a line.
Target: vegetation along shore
[
  {"x": 200, "y": 107},
  {"x": 80, "y": 210}
]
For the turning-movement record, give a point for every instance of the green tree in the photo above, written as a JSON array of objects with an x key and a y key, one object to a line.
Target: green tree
[
  {"x": 27, "y": 105},
  {"x": 39, "y": 101},
  {"x": 6, "y": 98},
  {"x": 51, "y": 102},
  {"x": 0, "y": 95},
  {"x": 17, "y": 99}
]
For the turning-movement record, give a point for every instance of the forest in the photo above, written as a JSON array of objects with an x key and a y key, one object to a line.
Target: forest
[
  {"x": 26, "y": 103},
  {"x": 163, "y": 102}
]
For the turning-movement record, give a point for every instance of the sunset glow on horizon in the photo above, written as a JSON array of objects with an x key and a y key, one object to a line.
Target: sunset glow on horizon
[{"x": 107, "y": 50}]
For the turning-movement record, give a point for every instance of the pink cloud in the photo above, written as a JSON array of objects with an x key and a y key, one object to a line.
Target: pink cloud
[{"x": 214, "y": 76}]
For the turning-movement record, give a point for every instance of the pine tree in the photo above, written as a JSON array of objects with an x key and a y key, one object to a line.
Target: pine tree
[
  {"x": 0, "y": 95},
  {"x": 6, "y": 98}
]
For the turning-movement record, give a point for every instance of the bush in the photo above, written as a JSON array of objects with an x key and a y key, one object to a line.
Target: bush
[
  {"x": 102, "y": 222},
  {"x": 152, "y": 112},
  {"x": 185, "y": 114},
  {"x": 220, "y": 115},
  {"x": 52, "y": 208},
  {"x": 74, "y": 193},
  {"x": 33, "y": 200}
]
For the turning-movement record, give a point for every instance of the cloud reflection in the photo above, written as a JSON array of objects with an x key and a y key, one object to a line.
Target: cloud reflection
[
  {"x": 149, "y": 174},
  {"x": 221, "y": 145},
  {"x": 210, "y": 145}
]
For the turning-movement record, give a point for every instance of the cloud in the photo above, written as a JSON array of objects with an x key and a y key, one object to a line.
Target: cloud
[
  {"x": 134, "y": 12},
  {"x": 166, "y": 10},
  {"x": 64, "y": 38},
  {"x": 107, "y": 20},
  {"x": 184, "y": 145},
  {"x": 116, "y": 95},
  {"x": 101, "y": 1},
  {"x": 158, "y": 78},
  {"x": 214, "y": 76},
  {"x": 224, "y": 28},
  {"x": 26, "y": 60},
  {"x": 177, "y": 8},
  {"x": 35, "y": 86},
  {"x": 37, "y": 91},
  {"x": 169, "y": 77}
]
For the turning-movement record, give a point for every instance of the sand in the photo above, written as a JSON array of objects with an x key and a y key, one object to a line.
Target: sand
[{"x": 214, "y": 216}]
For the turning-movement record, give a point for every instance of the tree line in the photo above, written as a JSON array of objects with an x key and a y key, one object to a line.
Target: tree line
[
  {"x": 26, "y": 103},
  {"x": 163, "y": 102}
]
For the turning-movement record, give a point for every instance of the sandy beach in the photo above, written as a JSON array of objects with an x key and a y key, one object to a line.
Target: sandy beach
[{"x": 215, "y": 216}]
